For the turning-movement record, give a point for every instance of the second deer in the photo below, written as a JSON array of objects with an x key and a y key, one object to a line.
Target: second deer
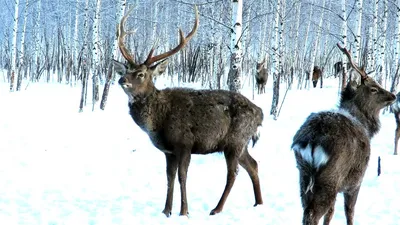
[
  {"x": 332, "y": 148},
  {"x": 181, "y": 122},
  {"x": 261, "y": 77},
  {"x": 396, "y": 112}
]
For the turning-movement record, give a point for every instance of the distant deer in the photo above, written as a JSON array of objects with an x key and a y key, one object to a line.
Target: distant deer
[
  {"x": 396, "y": 112},
  {"x": 181, "y": 122},
  {"x": 332, "y": 148},
  {"x": 338, "y": 68},
  {"x": 317, "y": 73},
  {"x": 261, "y": 77}
]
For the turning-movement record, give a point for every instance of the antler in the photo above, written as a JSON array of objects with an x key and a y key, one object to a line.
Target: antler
[
  {"x": 183, "y": 41},
  {"x": 121, "y": 36},
  {"x": 360, "y": 71}
]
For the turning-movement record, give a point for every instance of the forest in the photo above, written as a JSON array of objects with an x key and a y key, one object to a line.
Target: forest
[{"x": 74, "y": 41}]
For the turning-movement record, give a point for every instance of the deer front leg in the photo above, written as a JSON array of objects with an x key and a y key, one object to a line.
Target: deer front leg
[
  {"x": 172, "y": 166},
  {"x": 397, "y": 133},
  {"x": 232, "y": 165},
  {"x": 184, "y": 161},
  {"x": 350, "y": 199}
]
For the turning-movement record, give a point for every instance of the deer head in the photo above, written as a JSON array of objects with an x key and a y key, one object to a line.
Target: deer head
[{"x": 136, "y": 78}]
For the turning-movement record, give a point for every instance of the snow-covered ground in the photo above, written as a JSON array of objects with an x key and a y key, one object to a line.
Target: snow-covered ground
[{"x": 58, "y": 166}]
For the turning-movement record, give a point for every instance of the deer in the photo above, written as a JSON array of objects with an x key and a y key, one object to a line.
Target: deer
[
  {"x": 261, "y": 77},
  {"x": 182, "y": 121},
  {"x": 332, "y": 148},
  {"x": 396, "y": 112},
  {"x": 317, "y": 73}
]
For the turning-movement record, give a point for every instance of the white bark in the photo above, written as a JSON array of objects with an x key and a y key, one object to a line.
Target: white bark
[
  {"x": 370, "y": 47},
  {"x": 14, "y": 46},
  {"x": 382, "y": 45},
  {"x": 344, "y": 40},
  {"x": 96, "y": 53},
  {"x": 37, "y": 38},
  {"x": 397, "y": 54},
  {"x": 305, "y": 45},
  {"x": 234, "y": 77},
  {"x": 296, "y": 37},
  {"x": 275, "y": 61},
  {"x": 22, "y": 45},
  {"x": 261, "y": 53},
  {"x": 120, "y": 13},
  {"x": 357, "y": 55},
  {"x": 154, "y": 21},
  {"x": 76, "y": 37},
  {"x": 375, "y": 34}
]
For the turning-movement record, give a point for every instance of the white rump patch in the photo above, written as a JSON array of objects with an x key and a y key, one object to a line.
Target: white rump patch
[{"x": 317, "y": 158}]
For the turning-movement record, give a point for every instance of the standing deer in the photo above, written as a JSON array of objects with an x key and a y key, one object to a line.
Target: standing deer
[
  {"x": 317, "y": 73},
  {"x": 396, "y": 112},
  {"x": 181, "y": 122},
  {"x": 332, "y": 148},
  {"x": 261, "y": 77}
]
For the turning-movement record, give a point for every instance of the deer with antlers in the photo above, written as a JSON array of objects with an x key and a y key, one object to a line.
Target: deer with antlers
[
  {"x": 261, "y": 76},
  {"x": 332, "y": 148},
  {"x": 181, "y": 122}
]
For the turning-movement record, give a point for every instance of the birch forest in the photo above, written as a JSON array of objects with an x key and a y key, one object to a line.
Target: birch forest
[{"x": 73, "y": 42}]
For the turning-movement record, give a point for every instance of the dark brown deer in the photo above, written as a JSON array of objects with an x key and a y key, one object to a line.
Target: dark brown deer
[
  {"x": 396, "y": 111},
  {"x": 317, "y": 73},
  {"x": 332, "y": 148},
  {"x": 181, "y": 122},
  {"x": 261, "y": 77}
]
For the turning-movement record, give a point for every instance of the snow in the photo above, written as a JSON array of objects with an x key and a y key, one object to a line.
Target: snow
[{"x": 61, "y": 167}]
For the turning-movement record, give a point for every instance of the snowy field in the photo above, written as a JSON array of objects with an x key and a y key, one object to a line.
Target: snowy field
[{"x": 61, "y": 167}]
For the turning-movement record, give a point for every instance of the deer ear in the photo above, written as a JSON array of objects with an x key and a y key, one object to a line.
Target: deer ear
[
  {"x": 159, "y": 68},
  {"x": 119, "y": 67},
  {"x": 354, "y": 79}
]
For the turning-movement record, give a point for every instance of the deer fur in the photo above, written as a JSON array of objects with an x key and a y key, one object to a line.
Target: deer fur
[
  {"x": 317, "y": 73},
  {"x": 181, "y": 122},
  {"x": 332, "y": 148},
  {"x": 261, "y": 77},
  {"x": 396, "y": 113}
]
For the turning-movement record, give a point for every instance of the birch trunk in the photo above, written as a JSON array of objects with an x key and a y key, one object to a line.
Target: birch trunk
[
  {"x": 75, "y": 53},
  {"x": 96, "y": 54},
  {"x": 84, "y": 59},
  {"x": 296, "y": 58},
  {"x": 357, "y": 41},
  {"x": 370, "y": 47},
  {"x": 375, "y": 36},
  {"x": 110, "y": 75},
  {"x": 275, "y": 62},
  {"x": 234, "y": 75},
  {"x": 37, "y": 40},
  {"x": 382, "y": 46},
  {"x": 22, "y": 52},
  {"x": 397, "y": 54},
  {"x": 344, "y": 40},
  {"x": 14, "y": 46},
  {"x": 302, "y": 73}
]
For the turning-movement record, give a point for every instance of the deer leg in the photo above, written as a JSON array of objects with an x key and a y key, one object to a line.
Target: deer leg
[
  {"x": 397, "y": 134},
  {"x": 184, "y": 161},
  {"x": 321, "y": 202},
  {"x": 250, "y": 165},
  {"x": 350, "y": 199},
  {"x": 328, "y": 216},
  {"x": 172, "y": 166},
  {"x": 232, "y": 166}
]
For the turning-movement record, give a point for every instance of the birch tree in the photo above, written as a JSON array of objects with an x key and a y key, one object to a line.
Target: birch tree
[
  {"x": 234, "y": 75},
  {"x": 22, "y": 51},
  {"x": 305, "y": 47},
  {"x": 275, "y": 61},
  {"x": 37, "y": 41},
  {"x": 357, "y": 41},
  {"x": 84, "y": 58},
  {"x": 96, "y": 54},
  {"x": 344, "y": 40},
  {"x": 76, "y": 42},
  {"x": 382, "y": 46},
  {"x": 14, "y": 46},
  {"x": 110, "y": 75}
]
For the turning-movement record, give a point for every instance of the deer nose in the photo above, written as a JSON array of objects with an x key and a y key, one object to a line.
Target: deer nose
[{"x": 122, "y": 80}]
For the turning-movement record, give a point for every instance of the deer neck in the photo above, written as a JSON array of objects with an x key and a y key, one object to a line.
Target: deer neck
[{"x": 369, "y": 119}]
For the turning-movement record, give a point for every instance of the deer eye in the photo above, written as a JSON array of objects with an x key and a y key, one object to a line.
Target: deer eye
[
  {"x": 374, "y": 90},
  {"x": 140, "y": 75}
]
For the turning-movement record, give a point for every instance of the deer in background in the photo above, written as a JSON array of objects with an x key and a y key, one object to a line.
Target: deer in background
[
  {"x": 332, "y": 148},
  {"x": 396, "y": 112},
  {"x": 317, "y": 73},
  {"x": 181, "y": 122},
  {"x": 261, "y": 77}
]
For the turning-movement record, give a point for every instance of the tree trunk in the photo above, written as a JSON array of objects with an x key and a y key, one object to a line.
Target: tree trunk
[
  {"x": 357, "y": 41},
  {"x": 344, "y": 40},
  {"x": 234, "y": 75},
  {"x": 14, "y": 46},
  {"x": 275, "y": 62},
  {"x": 96, "y": 54}
]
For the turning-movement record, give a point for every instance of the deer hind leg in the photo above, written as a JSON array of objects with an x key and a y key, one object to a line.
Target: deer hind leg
[
  {"x": 184, "y": 161},
  {"x": 397, "y": 133},
  {"x": 172, "y": 166},
  {"x": 232, "y": 166},
  {"x": 350, "y": 199},
  {"x": 328, "y": 216},
  {"x": 323, "y": 199},
  {"x": 250, "y": 165}
]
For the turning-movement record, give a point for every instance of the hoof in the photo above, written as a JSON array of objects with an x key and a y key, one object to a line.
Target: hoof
[
  {"x": 184, "y": 214},
  {"x": 167, "y": 213},
  {"x": 214, "y": 212},
  {"x": 257, "y": 204}
]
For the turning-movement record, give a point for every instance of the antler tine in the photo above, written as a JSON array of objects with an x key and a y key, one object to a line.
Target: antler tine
[
  {"x": 121, "y": 36},
  {"x": 182, "y": 42},
  {"x": 360, "y": 71}
]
